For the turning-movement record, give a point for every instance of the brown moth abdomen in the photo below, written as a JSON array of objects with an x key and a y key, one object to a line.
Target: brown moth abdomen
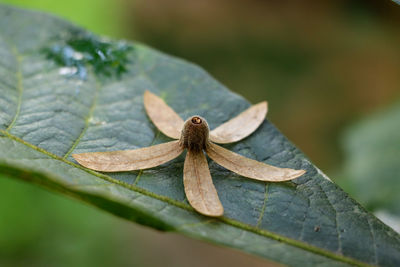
[{"x": 195, "y": 133}]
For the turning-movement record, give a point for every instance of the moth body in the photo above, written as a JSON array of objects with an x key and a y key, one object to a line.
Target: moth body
[{"x": 195, "y": 133}]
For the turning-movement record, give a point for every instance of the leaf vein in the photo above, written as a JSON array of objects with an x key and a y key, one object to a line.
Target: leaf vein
[
  {"x": 373, "y": 240},
  {"x": 336, "y": 219},
  {"x": 20, "y": 88},
  {"x": 87, "y": 119},
  {"x": 262, "y": 212}
]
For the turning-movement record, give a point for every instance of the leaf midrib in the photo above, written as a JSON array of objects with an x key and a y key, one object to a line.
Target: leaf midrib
[{"x": 232, "y": 222}]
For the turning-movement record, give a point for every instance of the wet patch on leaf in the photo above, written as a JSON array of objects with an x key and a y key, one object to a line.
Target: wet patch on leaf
[{"x": 79, "y": 50}]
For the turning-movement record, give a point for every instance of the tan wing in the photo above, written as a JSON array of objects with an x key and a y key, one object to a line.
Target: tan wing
[
  {"x": 240, "y": 126},
  {"x": 250, "y": 168},
  {"x": 163, "y": 116},
  {"x": 199, "y": 188},
  {"x": 129, "y": 160}
]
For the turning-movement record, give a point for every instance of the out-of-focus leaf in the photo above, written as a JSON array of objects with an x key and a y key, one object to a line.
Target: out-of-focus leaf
[
  {"x": 48, "y": 111},
  {"x": 372, "y": 163}
]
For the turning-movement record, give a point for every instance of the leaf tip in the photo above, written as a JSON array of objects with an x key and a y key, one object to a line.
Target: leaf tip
[
  {"x": 296, "y": 174},
  {"x": 217, "y": 211},
  {"x": 264, "y": 104},
  {"x": 147, "y": 94},
  {"x": 77, "y": 157},
  {"x": 80, "y": 158},
  {"x": 264, "y": 107}
]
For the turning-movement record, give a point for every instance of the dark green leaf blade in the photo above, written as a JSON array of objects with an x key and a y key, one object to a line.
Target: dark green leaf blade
[{"x": 46, "y": 114}]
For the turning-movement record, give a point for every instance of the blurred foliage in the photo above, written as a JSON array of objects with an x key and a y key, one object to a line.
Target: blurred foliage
[
  {"x": 38, "y": 228},
  {"x": 100, "y": 16},
  {"x": 372, "y": 160}
]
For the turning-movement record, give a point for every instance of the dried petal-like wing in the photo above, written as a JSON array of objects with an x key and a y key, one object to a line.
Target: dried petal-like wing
[
  {"x": 240, "y": 126},
  {"x": 199, "y": 188},
  {"x": 129, "y": 160},
  {"x": 250, "y": 168},
  {"x": 163, "y": 116}
]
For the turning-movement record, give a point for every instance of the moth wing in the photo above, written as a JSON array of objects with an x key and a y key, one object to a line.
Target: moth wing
[
  {"x": 129, "y": 160},
  {"x": 250, "y": 168},
  {"x": 240, "y": 126},
  {"x": 163, "y": 116},
  {"x": 199, "y": 188}
]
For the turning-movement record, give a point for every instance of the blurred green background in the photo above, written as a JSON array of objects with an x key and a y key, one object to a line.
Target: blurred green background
[{"x": 329, "y": 69}]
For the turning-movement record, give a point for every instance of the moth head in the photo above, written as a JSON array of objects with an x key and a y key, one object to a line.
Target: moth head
[{"x": 195, "y": 133}]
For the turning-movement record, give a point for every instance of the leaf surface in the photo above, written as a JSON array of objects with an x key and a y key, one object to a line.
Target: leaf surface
[{"x": 49, "y": 111}]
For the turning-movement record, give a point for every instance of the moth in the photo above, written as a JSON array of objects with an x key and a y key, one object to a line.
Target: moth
[{"x": 195, "y": 136}]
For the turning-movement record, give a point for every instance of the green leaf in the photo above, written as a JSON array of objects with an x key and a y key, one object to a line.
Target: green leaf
[
  {"x": 48, "y": 111},
  {"x": 372, "y": 167}
]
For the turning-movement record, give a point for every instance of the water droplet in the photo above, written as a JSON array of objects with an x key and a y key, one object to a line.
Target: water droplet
[
  {"x": 96, "y": 121},
  {"x": 68, "y": 70},
  {"x": 77, "y": 56},
  {"x": 100, "y": 53},
  {"x": 77, "y": 50}
]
